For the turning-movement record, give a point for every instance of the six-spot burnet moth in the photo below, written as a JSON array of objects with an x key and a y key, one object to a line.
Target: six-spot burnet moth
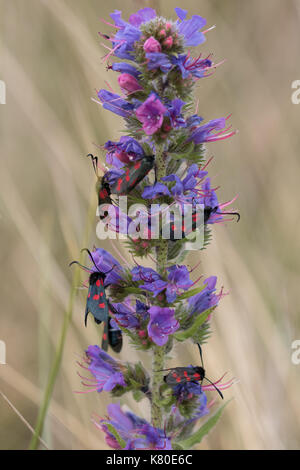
[
  {"x": 125, "y": 183},
  {"x": 207, "y": 212},
  {"x": 99, "y": 306},
  {"x": 194, "y": 374}
]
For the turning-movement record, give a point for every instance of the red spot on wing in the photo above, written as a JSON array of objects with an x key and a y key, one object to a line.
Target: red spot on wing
[
  {"x": 102, "y": 305},
  {"x": 96, "y": 297},
  {"x": 127, "y": 177},
  {"x": 89, "y": 295},
  {"x": 98, "y": 283},
  {"x": 197, "y": 376},
  {"x": 103, "y": 194},
  {"x": 185, "y": 373},
  {"x": 104, "y": 336},
  {"x": 101, "y": 294},
  {"x": 137, "y": 165},
  {"x": 178, "y": 379},
  {"x": 174, "y": 374},
  {"x": 120, "y": 181}
]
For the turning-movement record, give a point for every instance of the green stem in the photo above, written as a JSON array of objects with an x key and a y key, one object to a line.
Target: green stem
[
  {"x": 158, "y": 351},
  {"x": 61, "y": 344}
]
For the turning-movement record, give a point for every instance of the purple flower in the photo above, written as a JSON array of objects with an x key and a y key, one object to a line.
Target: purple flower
[
  {"x": 156, "y": 190},
  {"x": 162, "y": 324},
  {"x": 151, "y": 114},
  {"x": 135, "y": 432},
  {"x": 174, "y": 112},
  {"x": 190, "y": 29},
  {"x": 142, "y": 16},
  {"x": 105, "y": 262},
  {"x": 206, "y": 298},
  {"x": 128, "y": 33},
  {"x": 206, "y": 132},
  {"x": 125, "y": 317},
  {"x": 186, "y": 390},
  {"x": 184, "y": 191},
  {"x": 141, "y": 309},
  {"x": 178, "y": 279},
  {"x": 158, "y": 60},
  {"x": 193, "y": 121},
  {"x": 105, "y": 370},
  {"x": 122, "y": 152},
  {"x": 189, "y": 66},
  {"x": 115, "y": 103},
  {"x": 152, "y": 45},
  {"x": 124, "y": 67}
]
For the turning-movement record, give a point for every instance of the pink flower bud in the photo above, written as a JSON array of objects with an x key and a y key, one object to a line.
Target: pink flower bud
[
  {"x": 142, "y": 334},
  {"x": 168, "y": 42},
  {"x": 152, "y": 45},
  {"x": 168, "y": 26},
  {"x": 129, "y": 83},
  {"x": 162, "y": 33}
]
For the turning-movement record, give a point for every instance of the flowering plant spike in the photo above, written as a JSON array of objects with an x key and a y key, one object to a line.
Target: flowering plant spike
[{"x": 160, "y": 163}]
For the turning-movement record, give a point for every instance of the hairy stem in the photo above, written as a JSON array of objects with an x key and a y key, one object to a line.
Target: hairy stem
[{"x": 159, "y": 351}]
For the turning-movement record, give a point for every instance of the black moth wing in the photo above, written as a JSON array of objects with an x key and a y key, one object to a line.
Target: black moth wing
[
  {"x": 115, "y": 338},
  {"x": 104, "y": 344},
  {"x": 111, "y": 337},
  {"x": 133, "y": 175},
  {"x": 187, "y": 228},
  {"x": 184, "y": 375},
  {"x": 104, "y": 192},
  {"x": 96, "y": 303}
]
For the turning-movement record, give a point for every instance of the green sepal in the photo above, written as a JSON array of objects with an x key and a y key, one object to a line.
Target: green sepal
[
  {"x": 189, "y": 293},
  {"x": 116, "y": 435},
  {"x": 192, "y": 330}
]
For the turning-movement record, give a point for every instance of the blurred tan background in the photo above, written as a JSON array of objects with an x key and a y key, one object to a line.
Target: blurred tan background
[{"x": 50, "y": 56}]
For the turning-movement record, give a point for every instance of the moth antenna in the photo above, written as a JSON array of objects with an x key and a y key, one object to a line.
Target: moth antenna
[
  {"x": 81, "y": 265},
  {"x": 94, "y": 163},
  {"x": 90, "y": 255},
  {"x": 230, "y": 213},
  {"x": 219, "y": 391},
  {"x": 201, "y": 357}
]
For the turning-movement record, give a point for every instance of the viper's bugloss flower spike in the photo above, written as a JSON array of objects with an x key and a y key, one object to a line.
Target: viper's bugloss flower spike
[{"x": 155, "y": 306}]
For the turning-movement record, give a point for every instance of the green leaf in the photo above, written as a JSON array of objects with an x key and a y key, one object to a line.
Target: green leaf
[
  {"x": 116, "y": 435},
  {"x": 138, "y": 395},
  {"x": 189, "y": 293},
  {"x": 183, "y": 335},
  {"x": 204, "y": 430}
]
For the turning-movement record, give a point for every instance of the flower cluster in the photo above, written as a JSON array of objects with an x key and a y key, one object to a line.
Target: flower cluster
[{"x": 160, "y": 161}]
